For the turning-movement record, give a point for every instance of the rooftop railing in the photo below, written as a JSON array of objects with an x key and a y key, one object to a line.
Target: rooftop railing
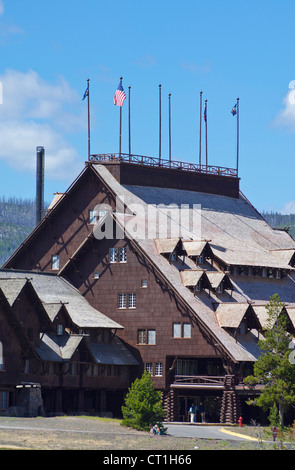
[{"x": 162, "y": 163}]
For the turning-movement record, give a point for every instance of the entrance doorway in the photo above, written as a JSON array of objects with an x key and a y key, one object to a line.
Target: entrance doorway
[{"x": 211, "y": 403}]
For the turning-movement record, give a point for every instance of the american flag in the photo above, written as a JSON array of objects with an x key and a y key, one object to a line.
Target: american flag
[{"x": 120, "y": 96}]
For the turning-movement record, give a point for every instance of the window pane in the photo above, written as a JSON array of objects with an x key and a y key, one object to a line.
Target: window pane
[
  {"x": 132, "y": 300},
  {"x": 92, "y": 217},
  {"x": 113, "y": 255},
  {"x": 141, "y": 336},
  {"x": 151, "y": 336},
  {"x": 187, "y": 330},
  {"x": 123, "y": 255},
  {"x": 149, "y": 367},
  {"x": 55, "y": 262},
  {"x": 122, "y": 301},
  {"x": 158, "y": 369},
  {"x": 176, "y": 330}
]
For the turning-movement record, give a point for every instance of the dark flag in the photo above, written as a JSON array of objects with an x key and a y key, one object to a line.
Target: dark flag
[{"x": 205, "y": 113}]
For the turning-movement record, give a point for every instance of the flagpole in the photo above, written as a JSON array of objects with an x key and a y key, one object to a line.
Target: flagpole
[
  {"x": 129, "y": 88},
  {"x": 169, "y": 98},
  {"x": 160, "y": 123},
  {"x": 206, "y": 135},
  {"x": 200, "y": 145},
  {"x": 120, "y": 133},
  {"x": 88, "y": 121},
  {"x": 238, "y": 132}
]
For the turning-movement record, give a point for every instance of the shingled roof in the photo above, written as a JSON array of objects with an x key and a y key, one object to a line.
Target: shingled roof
[
  {"x": 237, "y": 234},
  {"x": 55, "y": 291}
]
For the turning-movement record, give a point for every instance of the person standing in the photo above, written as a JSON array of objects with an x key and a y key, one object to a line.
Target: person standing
[{"x": 192, "y": 412}]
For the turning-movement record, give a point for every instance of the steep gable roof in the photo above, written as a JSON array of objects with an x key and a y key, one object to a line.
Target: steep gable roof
[{"x": 54, "y": 290}]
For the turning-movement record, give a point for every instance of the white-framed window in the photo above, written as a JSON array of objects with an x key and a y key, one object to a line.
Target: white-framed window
[
  {"x": 144, "y": 283},
  {"x": 92, "y": 216},
  {"x": 182, "y": 330},
  {"x": 151, "y": 336},
  {"x": 55, "y": 261},
  {"x": 149, "y": 367},
  {"x": 146, "y": 336},
  {"x": 123, "y": 255},
  {"x": 113, "y": 255},
  {"x": 122, "y": 300},
  {"x": 176, "y": 330},
  {"x": 132, "y": 300},
  {"x": 158, "y": 369},
  {"x": 187, "y": 330}
]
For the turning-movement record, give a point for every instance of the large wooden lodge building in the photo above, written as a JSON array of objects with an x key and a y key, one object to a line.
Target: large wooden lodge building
[{"x": 141, "y": 266}]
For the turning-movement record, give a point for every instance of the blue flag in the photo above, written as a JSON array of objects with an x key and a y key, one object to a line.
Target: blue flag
[
  {"x": 86, "y": 93},
  {"x": 234, "y": 110}
]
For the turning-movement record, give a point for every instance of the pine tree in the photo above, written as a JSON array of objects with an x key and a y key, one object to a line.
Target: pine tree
[
  {"x": 143, "y": 405},
  {"x": 273, "y": 368}
]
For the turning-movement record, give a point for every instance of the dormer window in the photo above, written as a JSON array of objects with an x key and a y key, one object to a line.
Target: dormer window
[
  {"x": 173, "y": 256},
  {"x": 92, "y": 216},
  {"x": 220, "y": 288},
  {"x": 59, "y": 330},
  {"x": 55, "y": 262}
]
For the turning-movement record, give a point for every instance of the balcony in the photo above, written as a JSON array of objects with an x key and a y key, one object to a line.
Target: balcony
[{"x": 162, "y": 163}]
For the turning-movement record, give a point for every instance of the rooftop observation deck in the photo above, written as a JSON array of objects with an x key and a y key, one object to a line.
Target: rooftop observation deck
[{"x": 141, "y": 170}]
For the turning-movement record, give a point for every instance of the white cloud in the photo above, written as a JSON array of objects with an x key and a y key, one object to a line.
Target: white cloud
[
  {"x": 35, "y": 112},
  {"x": 286, "y": 117}
]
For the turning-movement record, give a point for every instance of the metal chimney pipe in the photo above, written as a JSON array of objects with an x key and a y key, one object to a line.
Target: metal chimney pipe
[{"x": 40, "y": 184}]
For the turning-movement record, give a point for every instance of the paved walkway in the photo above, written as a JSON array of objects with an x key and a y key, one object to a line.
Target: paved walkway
[{"x": 92, "y": 426}]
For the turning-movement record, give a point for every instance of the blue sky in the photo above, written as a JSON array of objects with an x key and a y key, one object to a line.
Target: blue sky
[{"x": 227, "y": 49}]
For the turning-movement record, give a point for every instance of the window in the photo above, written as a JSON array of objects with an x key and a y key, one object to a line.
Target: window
[
  {"x": 173, "y": 256},
  {"x": 176, "y": 330},
  {"x": 151, "y": 336},
  {"x": 182, "y": 330},
  {"x": 187, "y": 330},
  {"x": 113, "y": 255},
  {"x": 3, "y": 401},
  {"x": 146, "y": 336},
  {"x": 123, "y": 255},
  {"x": 96, "y": 275},
  {"x": 132, "y": 300},
  {"x": 144, "y": 283},
  {"x": 149, "y": 367},
  {"x": 92, "y": 216},
  {"x": 55, "y": 262},
  {"x": 59, "y": 330},
  {"x": 122, "y": 301},
  {"x": 141, "y": 336},
  {"x": 158, "y": 369},
  {"x": 101, "y": 214},
  {"x": 1, "y": 357}
]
